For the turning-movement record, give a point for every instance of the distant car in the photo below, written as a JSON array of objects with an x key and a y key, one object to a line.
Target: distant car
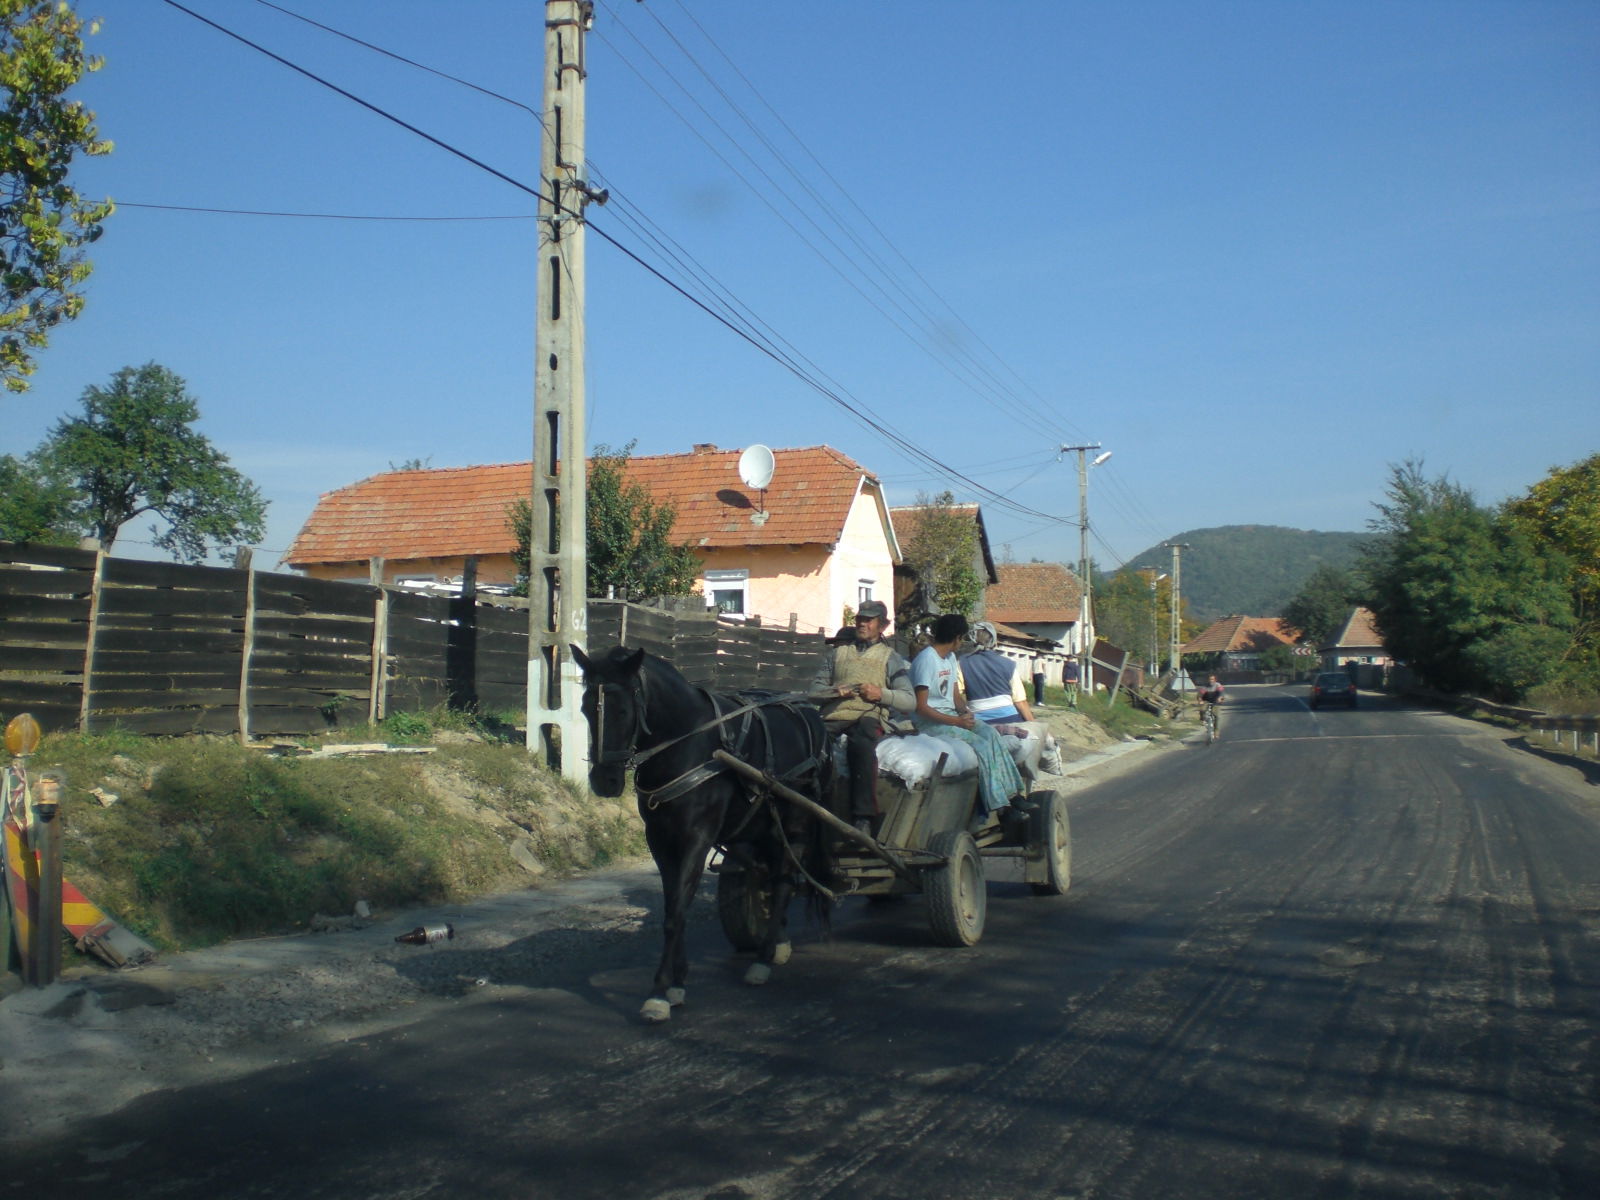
[{"x": 1333, "y": 687}]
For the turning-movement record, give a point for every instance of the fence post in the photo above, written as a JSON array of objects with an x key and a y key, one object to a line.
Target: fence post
[
  {"x": 378, "y": 687},
  {"x": 461, "y": 643},
  {"x": 244, "y": 560},
  {"x": 94, "y": 634}
]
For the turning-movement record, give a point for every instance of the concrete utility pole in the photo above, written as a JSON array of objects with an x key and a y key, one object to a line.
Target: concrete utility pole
[
  {"x": 1177, "y": 599},
  {"x": 557, "y": 567},
  {"x": 1086, "y": 608}
]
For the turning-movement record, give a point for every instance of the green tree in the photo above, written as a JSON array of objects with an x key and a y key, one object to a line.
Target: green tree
[
  {"x": 34, "y": 506},
  {"x": 1133, "y": 609},
  {"x": 132, "y": 451},
  {"x": 1321, "y": 606},
  {"x": 44, "y": 222},
  {"x": 940, "y": 546},
  {"x": 1562, "y": 513},
  {"x": 1281, "y": 658},
  {"x": 630, "y": 551},
  {"x": 1469, "y": 601}
]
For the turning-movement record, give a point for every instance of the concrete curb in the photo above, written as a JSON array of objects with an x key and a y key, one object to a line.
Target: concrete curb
[{"x": 1099, "y": 757}]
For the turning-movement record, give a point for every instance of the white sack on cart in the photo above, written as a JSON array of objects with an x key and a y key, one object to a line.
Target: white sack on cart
[{"x": 911, "y": 759}]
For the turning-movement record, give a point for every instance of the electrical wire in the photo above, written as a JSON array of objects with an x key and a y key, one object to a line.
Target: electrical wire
[
  {"x": 962, "y": 367},
  {"x": 1070, "y": 434},
  {"x": 867, "y": 420},
  {"x": 313, "y": 216},
  {"x": 467, "y": 83}
]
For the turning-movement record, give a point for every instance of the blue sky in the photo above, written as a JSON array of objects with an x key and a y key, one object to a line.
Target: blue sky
[{"x": 1258, "y": 250}]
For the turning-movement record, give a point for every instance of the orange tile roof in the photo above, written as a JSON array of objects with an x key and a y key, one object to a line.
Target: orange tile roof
[
  {"x": 1237, "y": 633},
  {"x": 442, "y": 513},
  {"x": 1360, "y": 629},
  {"x": 1032, "y": 593}
]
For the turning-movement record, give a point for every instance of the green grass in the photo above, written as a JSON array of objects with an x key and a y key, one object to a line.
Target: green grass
[
  {"x": 1564, "y": 700},
  {"x": 209, "y": 840}
]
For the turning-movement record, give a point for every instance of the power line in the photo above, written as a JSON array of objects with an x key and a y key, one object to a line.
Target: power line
[
  {"x": 958, "y": 362},
  {"x": 1045, "y": 414},
  {"x": 832, "y": 395},
  {"x": 467, "y": 83},
  {"x": 311, "y": 216}
]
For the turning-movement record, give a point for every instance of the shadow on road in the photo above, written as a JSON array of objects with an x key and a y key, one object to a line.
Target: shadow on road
[{"x": 1589, "y": 770}]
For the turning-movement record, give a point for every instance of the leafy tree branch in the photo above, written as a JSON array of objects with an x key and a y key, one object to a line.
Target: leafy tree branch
[{"x": 44, "y": 221}]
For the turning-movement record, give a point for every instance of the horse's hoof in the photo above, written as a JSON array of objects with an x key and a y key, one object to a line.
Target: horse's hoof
[
  {"x": 675, "y": 996},
  {"x": 655, "y": 1010},
  {"x": 758, "y": 974},
  {"x": 781, "y": 953}
]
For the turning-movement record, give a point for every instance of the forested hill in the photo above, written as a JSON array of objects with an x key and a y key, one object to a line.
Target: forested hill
[{"x": 1249, "y": 569}]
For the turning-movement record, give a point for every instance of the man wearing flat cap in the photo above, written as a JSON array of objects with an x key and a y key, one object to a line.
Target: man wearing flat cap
[{"x": 871, "y": 685}]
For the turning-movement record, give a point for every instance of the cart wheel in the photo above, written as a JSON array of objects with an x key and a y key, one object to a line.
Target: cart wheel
[
  {"x": 958, "y": 898},
  {"x": 1052, "y": 834},
  {"x": 744, "y": 905}
]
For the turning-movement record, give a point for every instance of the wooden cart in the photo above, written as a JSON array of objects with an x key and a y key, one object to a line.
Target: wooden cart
[{"x": 924, "y": 844}]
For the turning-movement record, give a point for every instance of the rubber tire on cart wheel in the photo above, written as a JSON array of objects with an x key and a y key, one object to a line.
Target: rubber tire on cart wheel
[
  {"x": 744, "y": 906},
  {"x": 1051, "y": 828},
  {"x": 958, "y": 897}
]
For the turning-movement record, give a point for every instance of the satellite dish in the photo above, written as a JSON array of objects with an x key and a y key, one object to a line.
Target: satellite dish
[{"x": 755, "y": 467}]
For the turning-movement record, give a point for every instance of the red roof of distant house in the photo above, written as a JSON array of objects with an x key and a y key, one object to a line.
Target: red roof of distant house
[
  {"x": 444, "y": 513},
  {"x": 1242, "y": 634},
  {"x": 1033, "y": 594},
  {"x": 1360, "y": 629}
]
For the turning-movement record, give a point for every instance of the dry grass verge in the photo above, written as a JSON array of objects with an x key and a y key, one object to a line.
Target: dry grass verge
[{"x": 204, "y": 840}]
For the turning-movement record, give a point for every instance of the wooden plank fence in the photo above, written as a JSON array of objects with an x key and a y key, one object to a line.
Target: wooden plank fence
[{"x": 94, "y": 643}]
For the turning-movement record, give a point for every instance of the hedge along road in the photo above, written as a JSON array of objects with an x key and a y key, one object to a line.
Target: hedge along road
[{"x": 1349, "y": 953}]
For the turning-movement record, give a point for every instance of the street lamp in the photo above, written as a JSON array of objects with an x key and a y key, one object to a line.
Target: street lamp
[
  {"x": 1154, "y": 608},
  {"x": 1086, "y": 624}
]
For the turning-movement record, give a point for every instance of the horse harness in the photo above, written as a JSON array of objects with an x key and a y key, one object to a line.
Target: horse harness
[{"x": 750, "y": 714}]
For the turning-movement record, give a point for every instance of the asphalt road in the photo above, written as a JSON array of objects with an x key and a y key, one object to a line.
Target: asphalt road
[{"x": 1344, "y": 953}]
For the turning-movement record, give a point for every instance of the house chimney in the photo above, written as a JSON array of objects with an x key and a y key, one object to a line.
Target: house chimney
[{"x": 704, "y": 448}]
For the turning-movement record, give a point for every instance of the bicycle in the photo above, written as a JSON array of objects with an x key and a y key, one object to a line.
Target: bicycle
[{"x": 1208, "y": 721}]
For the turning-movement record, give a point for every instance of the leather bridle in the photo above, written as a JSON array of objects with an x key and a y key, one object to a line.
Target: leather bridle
[{"x": 627, "y": 753}]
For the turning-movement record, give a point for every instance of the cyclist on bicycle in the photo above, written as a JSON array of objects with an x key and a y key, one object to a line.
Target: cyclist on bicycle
[{"x": 1211, "y": 695}]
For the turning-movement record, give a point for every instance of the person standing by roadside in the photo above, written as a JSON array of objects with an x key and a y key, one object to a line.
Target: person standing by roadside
[
  {"x": 1038, "y": 676},
  {"x": 1069, "y": 680}
]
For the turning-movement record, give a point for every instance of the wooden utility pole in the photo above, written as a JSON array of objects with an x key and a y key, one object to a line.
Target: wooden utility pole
[
  {"x": 1177, "y": 599},
  {"x": 557, "y": 616}
]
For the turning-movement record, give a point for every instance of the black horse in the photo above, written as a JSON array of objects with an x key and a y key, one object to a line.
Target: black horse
[{"x": 643, "y": 714}]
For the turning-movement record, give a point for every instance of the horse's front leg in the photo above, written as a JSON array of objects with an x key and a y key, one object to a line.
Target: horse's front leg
[
  {"x": 681, "y": 866},
  {"x": 775, "y": 948}
]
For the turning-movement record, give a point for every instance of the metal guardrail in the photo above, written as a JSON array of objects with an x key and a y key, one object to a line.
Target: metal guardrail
[
  {"x": 1582, "y": 727},
  {"x": 1586, "y": 728}
]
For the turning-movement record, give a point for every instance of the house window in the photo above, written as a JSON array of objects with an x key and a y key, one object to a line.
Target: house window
[
  {"x": 728, "y": 591},
  {"x": 864, "y": 591}
]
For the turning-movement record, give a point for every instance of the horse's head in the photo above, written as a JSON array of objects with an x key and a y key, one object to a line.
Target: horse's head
[{"x": 614, "y": 704}]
